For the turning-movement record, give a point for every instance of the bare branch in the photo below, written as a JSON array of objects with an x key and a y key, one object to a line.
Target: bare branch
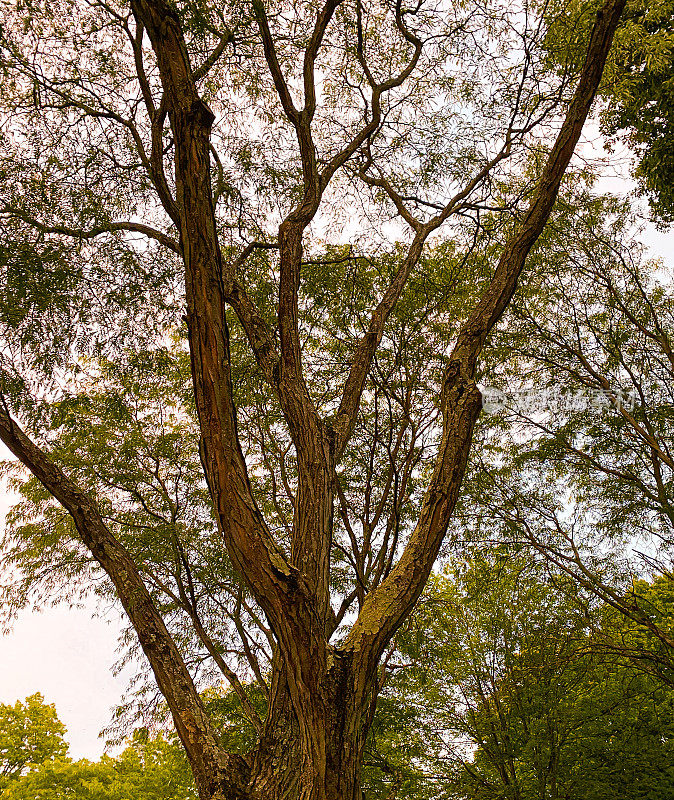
[
  {"x": 211, "y": 61},
  {"x": 273, "y": 63},
  {"x": 92, "y": 233}
]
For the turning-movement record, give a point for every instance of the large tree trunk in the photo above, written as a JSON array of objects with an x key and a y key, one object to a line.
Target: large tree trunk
[
  {"x": 302, "y": 757},
  {"x": 321, "y": 696}
]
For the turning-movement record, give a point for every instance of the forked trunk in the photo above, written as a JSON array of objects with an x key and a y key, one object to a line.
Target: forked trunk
[{"x": 300, "y": 757}]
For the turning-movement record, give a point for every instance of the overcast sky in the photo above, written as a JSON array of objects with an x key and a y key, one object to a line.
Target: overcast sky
[{"x": 67, "y": 656}]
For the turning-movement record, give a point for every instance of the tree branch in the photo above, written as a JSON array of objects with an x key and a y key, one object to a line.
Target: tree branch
[
  {"x": 345, "y": 419},
  {"x": 92, "y": 233},
  {"x": 385, "y": 608},
  {"x": 273, "y": 63},
  {"x": 208, "y": 280},
  {"x": 210, "y": 762},
  {"x": 209, "y": 63}
]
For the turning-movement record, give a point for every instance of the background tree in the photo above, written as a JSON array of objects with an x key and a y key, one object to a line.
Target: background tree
[
  {"x": 223, "y": 134},
  {"x": 30, "y": 734},
  {"x": 640, "y": 101},
  {"x": 521, "y": 698},
  {"x": 152, "y": 767}
]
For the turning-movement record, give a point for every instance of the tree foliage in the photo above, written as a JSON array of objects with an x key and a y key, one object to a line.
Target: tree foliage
[
  {"x": 638, "y": 93},
  {"x": 30, "y": 734},
  {"x": 152, "y": 767},
  {"x": 521, "y": 697},
  {"x": 576, "y": 460},
  {"x": 641, "y": 100}
]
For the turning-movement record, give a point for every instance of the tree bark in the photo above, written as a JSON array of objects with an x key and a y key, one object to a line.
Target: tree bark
[{"x": 283, "y": 765}]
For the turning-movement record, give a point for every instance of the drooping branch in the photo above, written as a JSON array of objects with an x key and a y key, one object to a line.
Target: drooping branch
[
  {"x": 213, "y": 767},
  {"x": 386, "y": 607}
]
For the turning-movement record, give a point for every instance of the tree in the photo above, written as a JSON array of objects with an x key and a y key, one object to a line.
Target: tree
[
  {"x": 152, "y": 767},
  {"x": 289, "y": 111},
  {"x": 155, "y": 769},
  {"x": 523, "y": 700},
  {"x": 30, "y": 734}
]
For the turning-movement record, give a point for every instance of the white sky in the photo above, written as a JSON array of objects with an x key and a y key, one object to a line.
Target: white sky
[
  {"x": 67, "y": 656},
  {"x": 660, "y": 244}
]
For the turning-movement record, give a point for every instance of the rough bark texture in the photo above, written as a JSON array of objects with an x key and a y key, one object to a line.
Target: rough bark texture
[
  {"x": 217, "y": 772},
  {"x": 321, "y": 697}
]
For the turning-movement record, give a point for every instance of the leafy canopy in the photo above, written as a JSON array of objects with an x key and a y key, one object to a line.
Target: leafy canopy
[{"x": 30, "y": 734}]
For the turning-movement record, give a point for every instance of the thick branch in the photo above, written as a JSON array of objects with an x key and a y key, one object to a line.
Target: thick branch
[
  {"x": 207, "y": 282},
  {"x": 211, "y": 764},
  {"x": 273, "y": 62},
  {"x": 345, "y": 419},
  {"x": 386, "y": 607},
  {"x": 293, "y": 604}
]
